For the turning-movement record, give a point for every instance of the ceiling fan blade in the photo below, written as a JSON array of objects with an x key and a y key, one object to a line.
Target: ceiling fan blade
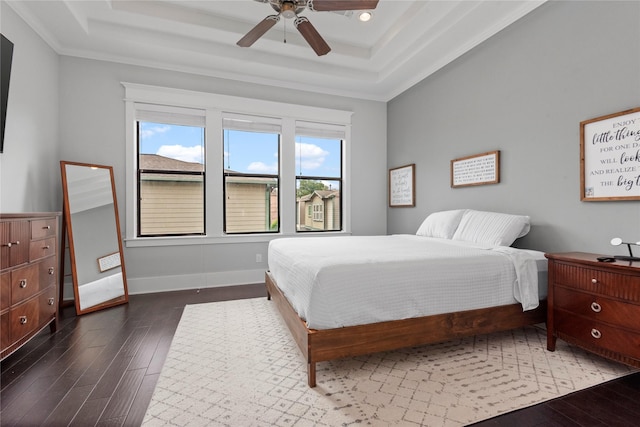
[
  {"x": 258, "y": 31},
  {"x": 312, "y": 36},
  {"x": 333, "y": 5}
]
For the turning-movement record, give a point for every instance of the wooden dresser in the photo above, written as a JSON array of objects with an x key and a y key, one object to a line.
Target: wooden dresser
[
  {"x": 28, "y": 277},
  {"x": 595, "y": 305}
]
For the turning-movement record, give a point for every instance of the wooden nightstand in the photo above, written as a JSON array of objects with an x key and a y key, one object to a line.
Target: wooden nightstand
[{"x": 595, "y": 305}]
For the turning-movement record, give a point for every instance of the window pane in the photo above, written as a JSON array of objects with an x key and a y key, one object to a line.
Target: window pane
[
  {"x": 318, "y": 184},
  {"x": 318, "y": 205},
  {"x": 171, "y": 179},
  {"x": 251, "y": 181},
  {"x": 318, "y": 157},
  {"x": 171, "y": 204}
]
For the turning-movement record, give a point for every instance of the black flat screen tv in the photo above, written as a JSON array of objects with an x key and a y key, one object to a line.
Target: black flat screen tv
[{"x": 6, "y": 56}]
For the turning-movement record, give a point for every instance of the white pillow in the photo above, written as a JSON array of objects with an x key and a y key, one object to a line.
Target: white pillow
[
  {"x": 491, "y": 228},
  {"x": 441, "y": 224}
]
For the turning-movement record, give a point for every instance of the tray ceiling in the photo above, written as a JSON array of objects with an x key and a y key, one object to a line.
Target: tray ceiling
[{"x": 405, "y": 41}]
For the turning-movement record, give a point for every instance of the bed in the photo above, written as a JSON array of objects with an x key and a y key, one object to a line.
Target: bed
[{"x": 344, "y": 296}]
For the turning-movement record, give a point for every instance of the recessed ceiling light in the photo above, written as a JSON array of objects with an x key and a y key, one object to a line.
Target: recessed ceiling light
[{"x": 365, "y": 16}]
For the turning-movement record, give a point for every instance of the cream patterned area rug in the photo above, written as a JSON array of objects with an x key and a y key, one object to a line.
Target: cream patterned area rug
[{"x": 234, "y": 363}]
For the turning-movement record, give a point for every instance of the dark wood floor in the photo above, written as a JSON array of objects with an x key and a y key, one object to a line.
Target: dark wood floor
[{"x": 101, "y": 368}]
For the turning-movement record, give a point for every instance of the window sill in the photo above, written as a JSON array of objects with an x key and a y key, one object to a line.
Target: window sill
[{"x": 141, "y": 242}]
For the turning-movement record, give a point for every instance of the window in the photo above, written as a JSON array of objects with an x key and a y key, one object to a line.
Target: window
[
  {"x": 251, "y": 174},
  {"x": 318, "y": 212},
  {"x": 319, "y": 149},
  {"x": 214, "y": 168},
  {"x": 171, "y": 173}
]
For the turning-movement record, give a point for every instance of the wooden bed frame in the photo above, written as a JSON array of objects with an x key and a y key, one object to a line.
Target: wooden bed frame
[{"x": 318, "y": 345}]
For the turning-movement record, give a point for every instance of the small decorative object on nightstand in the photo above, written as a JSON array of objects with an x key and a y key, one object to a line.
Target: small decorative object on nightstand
[
  {"x": 595, "y": 305},
  {"x": 616, "y": 241}
]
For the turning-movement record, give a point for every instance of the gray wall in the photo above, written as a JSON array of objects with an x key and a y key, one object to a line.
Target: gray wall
[
  {"x": 92, "y": 129},
  {"x": 29, "y": 168},
  {"x": 524, "y": 92}
]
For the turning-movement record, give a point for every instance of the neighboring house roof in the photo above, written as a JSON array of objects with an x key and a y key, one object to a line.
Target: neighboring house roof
[
  {"x": 154, "y": 162},
  {"x": 323, "y": 194},
  {"x": 326, "y": 194},
  {"x": 161, "y": 163}
]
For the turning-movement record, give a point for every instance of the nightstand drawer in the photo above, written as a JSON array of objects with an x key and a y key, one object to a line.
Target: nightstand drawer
[
  {"x": 624, "y": 286},
  {"x": 598, "y": 308},
  {"x": 592, "y": 334}
]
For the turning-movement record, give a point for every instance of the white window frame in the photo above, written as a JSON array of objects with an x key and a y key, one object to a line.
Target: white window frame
[{"x": 215, "y": 107}]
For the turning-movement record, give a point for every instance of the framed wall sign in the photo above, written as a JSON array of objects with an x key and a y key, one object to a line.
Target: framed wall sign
[
  {"x": 478, "y": 169},
  {"x": 110, "y": 261},
  {"x": 402, "y": 183},
  {"x": 610, "y": 157}
]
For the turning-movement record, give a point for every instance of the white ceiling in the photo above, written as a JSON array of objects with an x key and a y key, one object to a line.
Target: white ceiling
[{"x": 405, "y": 41}]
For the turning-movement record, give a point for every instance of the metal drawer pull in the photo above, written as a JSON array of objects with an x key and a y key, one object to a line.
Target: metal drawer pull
[
  {"x": 595, "y": 333},
  {"x": 51, "y": 301},
  {"x": 23, "y": 320},
  {"x": 46, "y": 247},
  {"x": 23, "y": 283},
  {"x": 17, "y": 242},
  {"x": 51, "y": 270},
  {"x": 596, "y": 307},
  {"x": 46, "y": 227}
]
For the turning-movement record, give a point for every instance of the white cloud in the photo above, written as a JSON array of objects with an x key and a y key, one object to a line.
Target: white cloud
[
  {"x": 151, "y": 131},
  {"x": 310, "y": 155},
  {"x": 260, "y": 167},
  {"x": 179, "y": 152}
]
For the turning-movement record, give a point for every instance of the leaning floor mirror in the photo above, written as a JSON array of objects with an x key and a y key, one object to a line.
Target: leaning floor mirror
[{"x": 93, "y": 232}]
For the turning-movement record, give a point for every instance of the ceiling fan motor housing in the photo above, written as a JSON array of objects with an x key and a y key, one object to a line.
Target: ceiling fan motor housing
[{"x": 288, "y": 8}]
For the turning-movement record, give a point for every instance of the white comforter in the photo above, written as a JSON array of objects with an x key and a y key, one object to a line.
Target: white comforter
[{"x": 342, "y": 281}]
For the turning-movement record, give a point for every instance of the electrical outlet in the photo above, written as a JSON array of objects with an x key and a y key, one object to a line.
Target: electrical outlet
[{"x": 258, "y": 257}]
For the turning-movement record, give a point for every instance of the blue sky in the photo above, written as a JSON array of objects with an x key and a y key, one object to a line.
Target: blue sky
[{"x": 249, "y": 152}]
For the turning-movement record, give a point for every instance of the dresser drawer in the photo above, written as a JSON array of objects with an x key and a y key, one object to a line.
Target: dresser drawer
[
  {"x": 14, "y": 243},
  {"x": 5, "y": 289},
  {"x": 600, "y": 281},
  {"x": 24, "y": 318},
  {"x": 48, "y": 274},
  {"x": 598, "y": 308},
  {"x": 590, "y": 334},
  {"x": 43, "y": 228},
  {"x": 39, "y": 249},
  {"x": 5, "y": 330},
  {"x": 48, "y": 304},
  {"x": 25, "y": 283}
]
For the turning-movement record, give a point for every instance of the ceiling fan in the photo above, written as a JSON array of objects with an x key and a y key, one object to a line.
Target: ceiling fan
[{"x": 290, "y": 9}]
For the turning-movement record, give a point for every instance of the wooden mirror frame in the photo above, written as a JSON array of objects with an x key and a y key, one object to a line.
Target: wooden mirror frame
[{"x": 106, "y": 262}]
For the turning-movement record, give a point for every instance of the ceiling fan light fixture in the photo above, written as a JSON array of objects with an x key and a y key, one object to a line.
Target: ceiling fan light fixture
[
  {"x": 365, "y": 16},
  {"x": 288, "y": 10}
]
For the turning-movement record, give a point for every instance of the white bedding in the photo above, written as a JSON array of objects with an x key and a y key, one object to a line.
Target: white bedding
[{"x": 342, "y": 281}]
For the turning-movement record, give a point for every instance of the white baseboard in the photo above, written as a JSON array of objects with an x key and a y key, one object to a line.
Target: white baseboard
[{"x": 148, "y": 285}]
